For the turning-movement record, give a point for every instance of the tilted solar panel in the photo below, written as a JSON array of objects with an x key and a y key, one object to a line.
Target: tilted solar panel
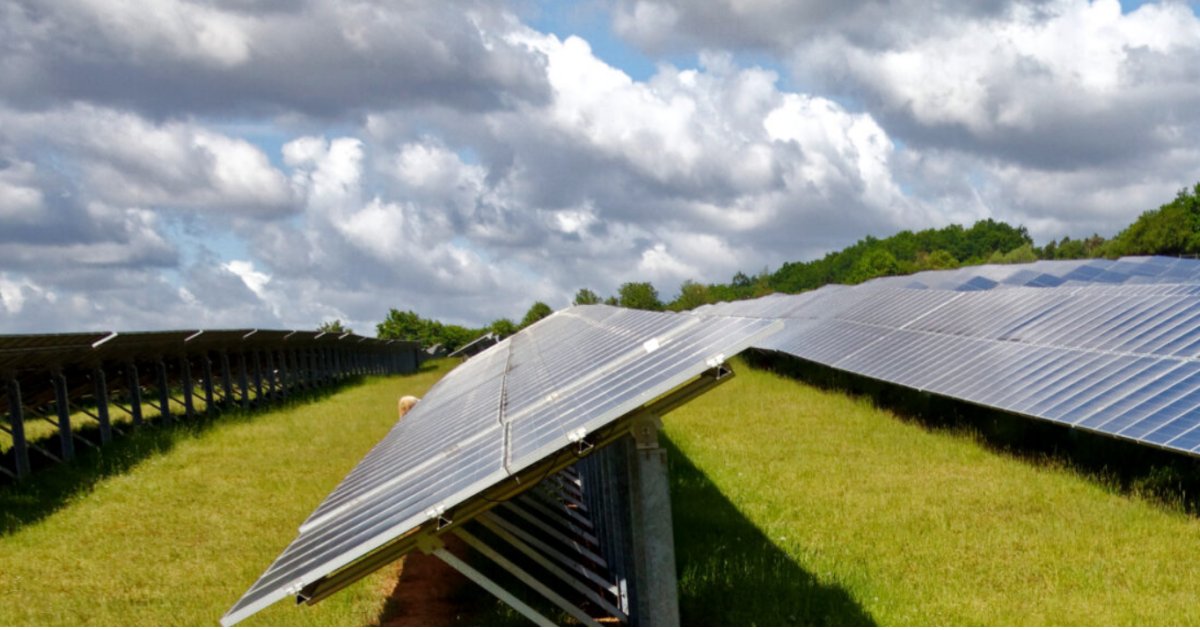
[
  {"x": 1107, "y": 346},
  {"x": 529, "y": 399}
]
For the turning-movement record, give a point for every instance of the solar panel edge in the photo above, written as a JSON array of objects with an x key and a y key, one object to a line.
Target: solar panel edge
[{"x": 238, "y": 613}]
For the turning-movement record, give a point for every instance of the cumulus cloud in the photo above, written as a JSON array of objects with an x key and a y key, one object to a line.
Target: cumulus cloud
[
  {"x": 125, "y": 159},
  {"x": 1098, "y": 106},
  {"x": 277, "y": 164},
  {"x": 254, "y": 58}
]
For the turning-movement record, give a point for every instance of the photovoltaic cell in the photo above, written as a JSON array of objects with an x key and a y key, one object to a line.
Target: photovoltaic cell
[{"x": 512, "y": 406}]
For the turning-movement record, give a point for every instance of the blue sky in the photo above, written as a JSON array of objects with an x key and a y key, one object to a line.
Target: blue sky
[{"x": 278, "y": 165}]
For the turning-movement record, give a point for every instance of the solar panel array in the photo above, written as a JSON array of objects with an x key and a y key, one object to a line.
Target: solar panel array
[
  {"x": 84, "y": 381},
  {"x": 534, "y": 397},
  {"x": 1104, "y": 345}
]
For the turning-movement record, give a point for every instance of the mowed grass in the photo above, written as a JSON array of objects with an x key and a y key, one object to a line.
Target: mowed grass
[
  {"x": 793, "y": 506},
  {"x": 180, "y": 521},
  {"x": 797, "y": 506}
]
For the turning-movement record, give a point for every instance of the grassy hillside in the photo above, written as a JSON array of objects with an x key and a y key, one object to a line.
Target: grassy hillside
[{"x": 171, "y": 526}]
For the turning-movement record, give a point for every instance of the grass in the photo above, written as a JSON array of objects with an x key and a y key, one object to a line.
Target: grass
[
  {"x": 795, "y": 505},
  {"x": 170, "y": 525}
]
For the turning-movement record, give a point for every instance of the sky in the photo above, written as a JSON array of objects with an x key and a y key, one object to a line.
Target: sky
[{"x": 184, "y": 164}]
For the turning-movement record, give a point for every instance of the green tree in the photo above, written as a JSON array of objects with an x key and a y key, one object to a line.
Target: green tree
[
  {"x": 406, "y": 325},
  {"x": 585, "y": 296},
  {"x": 536, "y": 312},
  {"x": 691, "y": 295},
  {"x": 875, "y": 263},
  {"x": 611, "y": 300},
  {"x": 334, "y": 326},
  {"x": 938, "y": 259},
  {"x": 639, "y": 295},
  {"x": 503, "y": 327},
  {"x": 1022, "y": 254}
]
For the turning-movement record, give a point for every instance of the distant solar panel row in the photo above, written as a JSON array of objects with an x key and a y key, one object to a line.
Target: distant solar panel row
[
  {"x": 109, "y": 380},
  {"x": 1107, "y": 346},
  {"x": 513, "y": 406}
]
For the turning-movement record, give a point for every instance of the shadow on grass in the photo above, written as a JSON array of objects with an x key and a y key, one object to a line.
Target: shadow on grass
[
  {"x": 731, "y": 574},
  {"x": 1171, "y": 480},
  {"x": 49, "y": 489}
]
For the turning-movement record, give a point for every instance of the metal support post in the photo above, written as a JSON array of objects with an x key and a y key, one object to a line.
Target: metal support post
[
  {"x": 100, "y": 388},
  {"x": 135, "y": 394},
  {"x": 61, "y": 405},
  {"x": 185, "y": 374},
  {"x": 209, "y": 399},
  {"x": 226, "y": 379},
  {"x": 272, "y": 385},
  {"x": 435, "y": 547},
  {"x": 164, "y": 398},
  {"x": 16, "y": 415},
  {"x": 285, "y": 375},
  {"x": 656, "y": 596},
  {"x": 258, "y": 378},
  {"x": 243, "y": 380}
]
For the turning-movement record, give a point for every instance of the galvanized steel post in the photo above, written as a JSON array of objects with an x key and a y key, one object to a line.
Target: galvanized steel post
[
  {"x": 185, "y": 375},
  {"x": 100, "y": 388},
  {"x": 62, "y": 407},
  {"x": 164, "y": 394},
  {"x": 16, "y": 415},
  {"x": 656, "y": 594},
  {"x": 135, "y": 394}
]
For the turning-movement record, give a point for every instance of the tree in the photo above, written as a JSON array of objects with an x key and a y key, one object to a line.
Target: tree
[
  {"x": 405, "y": 325},
  {"x": 640, "y": 295},
  {"x": 875, "y": 263},
  {"x": 503, "y": 327},
  {"x": 409, "y": 326},
  {"x": 536, "y": 312},
  {"x": 611, "y": 300},
  {"x": 334, "y": 326},
  {"x": 691, "y": 295},
  {"x": 1172, "y": 229},
  {"x": 938, "y": 259},
  {"x": 585, "y": 296}
]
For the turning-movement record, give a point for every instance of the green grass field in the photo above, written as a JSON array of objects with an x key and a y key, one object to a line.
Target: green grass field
[
  {"x": 793, "y": 506},
  {"x": 170, "y": 526},
  {"x": 799, "y": 506}
]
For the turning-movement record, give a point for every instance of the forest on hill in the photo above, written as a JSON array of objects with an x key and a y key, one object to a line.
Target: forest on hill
[{"x": 1172, "y": 229}]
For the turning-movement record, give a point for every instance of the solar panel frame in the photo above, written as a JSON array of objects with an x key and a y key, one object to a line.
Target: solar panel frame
[{"x": 390, "y": 498}]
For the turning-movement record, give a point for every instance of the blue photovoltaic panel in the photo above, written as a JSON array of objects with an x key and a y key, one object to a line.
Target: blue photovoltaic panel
[
  {"x": 1108, "y": 346},
  {"x": 508, "y": 408}
]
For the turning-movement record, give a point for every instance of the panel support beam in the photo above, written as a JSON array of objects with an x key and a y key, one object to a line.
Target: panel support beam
[
  {"x": 135, "y": 394},
  {"x": 100, "y": 388},
  {"x": 434, "y": 546},
  {"x": 16, "y": 415},
  {"x": 519, "y": 573},
  {"x": 63, "y": 409}
]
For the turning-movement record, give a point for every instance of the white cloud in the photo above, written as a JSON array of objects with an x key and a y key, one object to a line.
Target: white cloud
[
  {"x": 255, "y": 280},
  {"x": 127, "y": 160}
]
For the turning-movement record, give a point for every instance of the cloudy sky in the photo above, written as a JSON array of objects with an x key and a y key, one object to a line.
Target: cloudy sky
[{"x": 279, "y": 163}]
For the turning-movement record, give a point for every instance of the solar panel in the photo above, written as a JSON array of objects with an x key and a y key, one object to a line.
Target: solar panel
[
  {"x": 1106, "y": 346},
  {"x": 527, "y": 403}
]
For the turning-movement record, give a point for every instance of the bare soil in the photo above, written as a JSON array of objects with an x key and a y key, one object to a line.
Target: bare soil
[{"x": 427, "y": 592}]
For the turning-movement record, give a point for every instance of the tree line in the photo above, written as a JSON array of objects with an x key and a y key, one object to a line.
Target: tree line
[{"x": 1173, "y": 229}]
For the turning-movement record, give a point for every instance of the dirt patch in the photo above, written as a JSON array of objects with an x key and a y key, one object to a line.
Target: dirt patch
[{"x": 427, "y": 592}]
